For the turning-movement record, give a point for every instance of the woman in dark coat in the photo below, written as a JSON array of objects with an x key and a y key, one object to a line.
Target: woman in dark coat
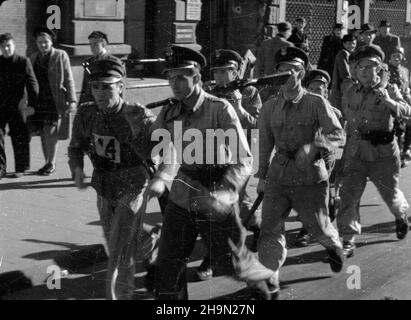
[{"x": 57, "y": 95}]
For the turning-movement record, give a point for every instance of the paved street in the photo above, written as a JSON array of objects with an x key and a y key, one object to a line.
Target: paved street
[{"x": 45, "y": 221}]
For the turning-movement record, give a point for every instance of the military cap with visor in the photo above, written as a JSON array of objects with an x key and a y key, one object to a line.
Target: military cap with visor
[
  {"x": 368, "y": 52},
  {"x": 110, "y": 70},
  {"x": 179, "y": 57},
  {"x": 318, "y": 75},
  {"x": 291, "y": 55},
  {"x": 225, "y": 59}
]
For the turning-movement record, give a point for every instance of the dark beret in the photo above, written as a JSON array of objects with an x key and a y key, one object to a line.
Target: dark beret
[
  {"x": 318, "y": 75},
  {"x": 291, "y": 55},
  {"x": 283, "y": 26},
  {"x": 108, "y": 70},
  {"x": 98, "y": 35},
  {"x": 225, "y": 58},
  {"x": 179, "y": 57},
  {"x": 6, "y": 37}
]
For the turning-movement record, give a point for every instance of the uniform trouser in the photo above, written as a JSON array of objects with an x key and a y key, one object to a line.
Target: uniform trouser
[
  {"x": 245, "y": 206},
  {"x": 311, "y": 204},
  {"x": 122, "y": 226},
  {"x": 385, "y": 176},
  {"x": 407, "y": 138},
  {"x": 178, "y": 237},
  {"x": 20, "y": 139}
]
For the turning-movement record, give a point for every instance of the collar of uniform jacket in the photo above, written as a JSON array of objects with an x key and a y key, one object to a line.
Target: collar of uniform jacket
[
  {"x": 283, "y": 101},
  {"x": 178, "y": 110}
]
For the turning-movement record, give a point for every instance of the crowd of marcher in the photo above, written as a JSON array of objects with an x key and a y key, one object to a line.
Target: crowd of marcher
[{"x": 356, "y": 100}]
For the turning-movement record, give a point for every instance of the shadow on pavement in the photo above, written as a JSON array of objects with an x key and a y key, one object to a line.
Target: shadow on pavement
[
  {"x": 13, "y": 281},
  {"x": 40, "y": 184},
  {"x": 74, "y": 259},
  {"x": 244, "y": 294},
  {"x": 386, "y": 227}
]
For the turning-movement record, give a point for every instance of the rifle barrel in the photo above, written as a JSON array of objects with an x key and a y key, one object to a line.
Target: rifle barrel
[
  {"x": 142, "y": 61},
  {"x": 157, "y": 104}
]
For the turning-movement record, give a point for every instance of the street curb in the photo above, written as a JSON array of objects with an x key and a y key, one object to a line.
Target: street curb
[{"x": 72, "y": 261}]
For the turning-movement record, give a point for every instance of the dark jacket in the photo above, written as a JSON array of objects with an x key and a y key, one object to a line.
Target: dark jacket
[
  {"x": 387, "y": 44},
  {"x": 300, "y": 39},
  {"x": 341, "y": 77},
  {"x": 16, "y": 74},
  {"x": 329, "y": 49},
  {"x": 60, "y": 78},
  {"x": 266, "y": 63}
]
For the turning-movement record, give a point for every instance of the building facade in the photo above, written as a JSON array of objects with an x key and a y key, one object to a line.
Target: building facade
[{"x": 142, "y": 29}]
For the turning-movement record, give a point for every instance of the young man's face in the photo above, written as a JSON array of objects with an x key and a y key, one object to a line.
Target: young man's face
[
  {"x": 300, "y": 25},
  {"x": 337, "y": 32},
  {"x": 367, "y": 72},
  {"x": 368, "y": 37},
  {"x": 44, "y": 44},
  {"x": 350, "y": 45},
  {"x": 223, "y": 76},
  {"x": 106, "y": 95},
  {"x": 295, "y": 79},
  {"x": 287, "y": 34},
  {"x": 318, "y": 87},
  {"x": 8, "y": 48},
  {"x": 182, "y": 82},
  {"x": 97, "y": 46},
  {"x": 395, "y": 59}
]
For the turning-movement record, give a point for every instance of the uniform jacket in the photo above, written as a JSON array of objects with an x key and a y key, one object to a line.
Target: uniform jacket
[
  {"x": 265, "y": 57},
  {"x": 300, "y": 39},
  {"x": 364, "y": 113},
  {"x": 329, "y": 49},
  {"x": 60, "y": 78},
  {"x": 387, "y": 44},
  {"x": 16, "y": 74},
  {"x": 406, "y": 44},
  {"x": 118, "y": 157},
  {"x": 341, "y": 77},
  {"x": 85, "y": 95},
  {"x": 288, "y": 125},
  {"x": 251, "y": 103},
  {"x": 401, "y": 77},
  {"x": 209, "y": 112}
]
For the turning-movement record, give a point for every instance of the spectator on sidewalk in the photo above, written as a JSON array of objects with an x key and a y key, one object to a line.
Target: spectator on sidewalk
[
  {"x": 387, "y": 41},
  {"x": 341, "y": 79},
  {"x": 57, "y": 96},
  {"x": 16, "y": 74},
  {"x": 298, "y": 36},
  {"x": 367, "y": 35},
  {"x": 406, "y": 44},
  {"x": 329, "y": 49}
]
